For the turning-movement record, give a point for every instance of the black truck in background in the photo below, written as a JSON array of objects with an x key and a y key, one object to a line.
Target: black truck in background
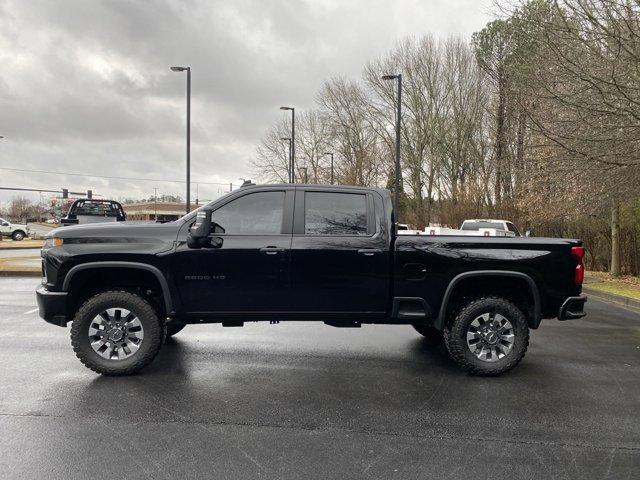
[
  {"x": 303, "y": 253},
  {"x": 89, "y": 210}
]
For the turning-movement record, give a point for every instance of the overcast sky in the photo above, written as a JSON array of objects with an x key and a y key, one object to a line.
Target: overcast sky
[{"x": 85, "y": 85}]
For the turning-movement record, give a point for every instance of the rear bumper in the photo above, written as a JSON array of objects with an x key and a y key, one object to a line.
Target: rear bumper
[
  {"x": 52, "y": 306},
  {"x": 572, "y": 308}
]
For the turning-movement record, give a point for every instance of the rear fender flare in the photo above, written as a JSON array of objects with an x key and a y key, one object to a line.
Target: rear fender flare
[{"x": 537, "y": 315}]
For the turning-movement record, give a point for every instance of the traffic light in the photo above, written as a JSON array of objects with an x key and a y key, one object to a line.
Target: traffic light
[
  {"x": 65, "y": 193},
  {"x": 89, "y": 194}
]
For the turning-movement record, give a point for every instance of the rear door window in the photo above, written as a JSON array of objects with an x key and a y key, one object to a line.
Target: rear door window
[{"x": 327, "y": 213}]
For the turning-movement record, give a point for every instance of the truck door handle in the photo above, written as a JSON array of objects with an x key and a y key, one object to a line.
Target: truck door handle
[
  {"x": 272, "y": 250},
  {"x": 369, "y": 252}
]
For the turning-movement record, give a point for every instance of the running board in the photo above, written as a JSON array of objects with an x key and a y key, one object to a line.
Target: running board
[{"x": 343, "y": 324}]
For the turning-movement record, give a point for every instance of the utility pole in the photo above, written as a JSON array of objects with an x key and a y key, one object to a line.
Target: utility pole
[
  {"x": 155, "y": 203},
  {"x": 331, "y": 153},
  {"x": 293, "y": 142},
  {"x": 290, "y": 165}
]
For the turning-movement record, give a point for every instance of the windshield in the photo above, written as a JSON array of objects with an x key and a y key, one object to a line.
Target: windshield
[
  {"x": 192, "y": 214},
  {"x": 512, "y": 228},
  {"x": 480, "y": 224}
]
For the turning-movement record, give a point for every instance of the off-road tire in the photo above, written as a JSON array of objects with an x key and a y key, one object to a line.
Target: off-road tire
[
  {"x": 455, "y": 335},
  {"x": 174, "y": 327},
  {"x": 154, "y": 332},
  {"x": 432, "y": 335},
  {"x": 18, "y": 235}
]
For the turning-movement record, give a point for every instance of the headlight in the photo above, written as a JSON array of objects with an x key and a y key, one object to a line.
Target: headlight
[{"x": 51, "y": 242}]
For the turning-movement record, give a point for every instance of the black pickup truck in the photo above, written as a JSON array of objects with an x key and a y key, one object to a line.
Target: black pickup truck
[{"x": 302, "y": 252}]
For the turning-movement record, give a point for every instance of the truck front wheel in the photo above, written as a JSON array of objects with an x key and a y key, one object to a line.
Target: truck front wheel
[
  {"x": 18, "y": 235},
  {"x": 487, "y": 336},
  {"x": 116, "y": 333}
]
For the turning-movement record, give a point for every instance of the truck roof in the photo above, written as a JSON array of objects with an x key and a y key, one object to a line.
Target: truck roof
[{"x": 383, "y": 191}]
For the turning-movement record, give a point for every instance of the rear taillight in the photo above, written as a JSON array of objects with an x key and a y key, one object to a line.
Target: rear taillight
[{"x": 578, "y": 254}]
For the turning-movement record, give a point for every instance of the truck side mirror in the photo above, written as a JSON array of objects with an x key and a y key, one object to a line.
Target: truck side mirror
[{"x": 199, "y": 231}]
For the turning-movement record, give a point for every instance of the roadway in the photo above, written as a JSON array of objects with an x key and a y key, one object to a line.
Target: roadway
[{"x": 310, "y": 401}]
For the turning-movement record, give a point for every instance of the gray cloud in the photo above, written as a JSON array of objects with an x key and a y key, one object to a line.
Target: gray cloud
[{"x": 85, "y": 85}]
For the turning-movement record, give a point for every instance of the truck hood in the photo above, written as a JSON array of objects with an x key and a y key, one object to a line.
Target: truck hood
[
  {"x": 118, "y": 231},
  {"x": 18, "y": 226}
]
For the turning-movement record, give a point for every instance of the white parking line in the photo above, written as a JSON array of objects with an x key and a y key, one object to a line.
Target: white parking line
[{"x": 31, "y": 311}]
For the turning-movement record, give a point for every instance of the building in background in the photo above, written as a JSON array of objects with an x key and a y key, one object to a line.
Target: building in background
[{"x": 150, "y": 211}]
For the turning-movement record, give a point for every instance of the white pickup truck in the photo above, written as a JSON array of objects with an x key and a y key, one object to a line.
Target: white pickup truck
[
  {"x": 480, "y": 223},
  {"x": 478, "y": 227},
  {"x": 14, "y": 230}
]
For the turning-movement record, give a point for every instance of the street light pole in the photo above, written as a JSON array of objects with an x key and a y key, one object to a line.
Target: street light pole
[
  {"x": 289, "y": 167},
  {"x": 293, "y": 142},
  {"x": 331, "y": 153},
  {"x": 398, "y": 120},
  {"x": 188, "y": 70},
  {"x": 155, "y": 203}
]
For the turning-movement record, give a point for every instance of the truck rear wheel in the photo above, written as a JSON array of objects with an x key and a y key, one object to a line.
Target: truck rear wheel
[
  {"x": 488, "y": 336},
  {"x": 116, "y": 333},
  {"x": 432, "y": 335},
  {"x": 18, "y": 235}
]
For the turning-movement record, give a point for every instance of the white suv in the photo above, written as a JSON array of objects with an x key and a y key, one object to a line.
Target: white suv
[{"x": 13, "y": 230}]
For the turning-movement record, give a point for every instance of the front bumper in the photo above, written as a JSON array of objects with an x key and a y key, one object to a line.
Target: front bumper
[
  {"x": 572, "y": 308},
  {"x": 52, "y": 306}
]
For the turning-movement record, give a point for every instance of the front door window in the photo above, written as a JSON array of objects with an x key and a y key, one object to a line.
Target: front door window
[{"x": 258, "y": 213}]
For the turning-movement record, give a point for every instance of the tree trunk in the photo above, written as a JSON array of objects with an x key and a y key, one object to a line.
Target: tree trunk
[
  {"x": 500, "y": 138},
  {"x": 615, "y": 240}
]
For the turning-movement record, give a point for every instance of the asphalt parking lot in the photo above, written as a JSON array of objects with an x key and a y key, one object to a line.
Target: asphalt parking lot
[{"x": 310, "y": 401}]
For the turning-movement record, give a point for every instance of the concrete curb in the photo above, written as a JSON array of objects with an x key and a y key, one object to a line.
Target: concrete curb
[
  {"x": 26, "y": 247},
  {"x": 610, "y": 297},
  {"x": 20, "y": 273}
]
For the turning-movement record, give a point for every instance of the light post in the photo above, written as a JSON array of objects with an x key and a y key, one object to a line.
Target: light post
[
  {"x": 155, "y": 203},
  {"x": 331, "y": 153},
  {"x": 398, "y": 119},
  {"x": 289, "y": 166},
  {"x": 293, "y": 142},
  {"x": 188, "y": 70}
]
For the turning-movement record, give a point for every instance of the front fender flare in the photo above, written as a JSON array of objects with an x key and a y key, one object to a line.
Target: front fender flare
[{"x": 166, "y": 293}]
